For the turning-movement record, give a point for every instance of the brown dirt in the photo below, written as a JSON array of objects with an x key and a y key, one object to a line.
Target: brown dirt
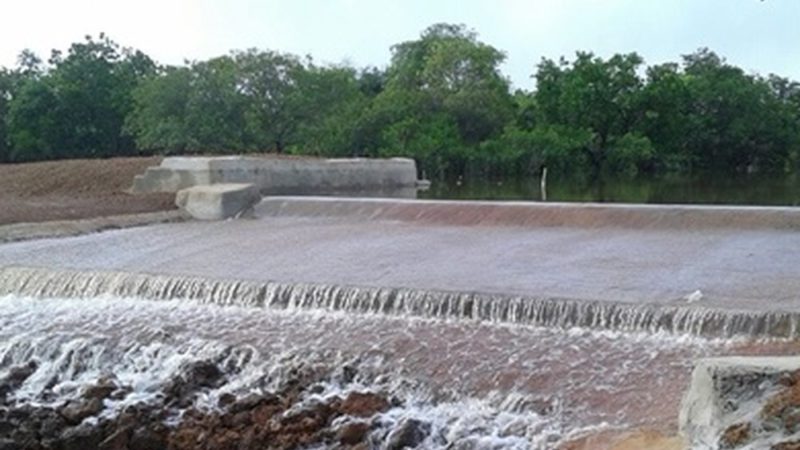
[{"x": 75, "y": 189}]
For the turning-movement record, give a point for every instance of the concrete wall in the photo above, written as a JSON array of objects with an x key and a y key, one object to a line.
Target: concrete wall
[
  {"x": 742, "y": 402},
  {"x": 280, "y": 176},
  {"x": 537, "y": 214}
]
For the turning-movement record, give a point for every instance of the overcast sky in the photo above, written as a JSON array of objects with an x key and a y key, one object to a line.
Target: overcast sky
[{"x": 760, "y": 36}]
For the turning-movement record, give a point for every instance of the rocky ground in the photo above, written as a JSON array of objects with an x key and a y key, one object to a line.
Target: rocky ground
[
  {"x": 75, "y": 189},
  {"x": 283, "y": 419},
  {"x": 778, "y": 421}
]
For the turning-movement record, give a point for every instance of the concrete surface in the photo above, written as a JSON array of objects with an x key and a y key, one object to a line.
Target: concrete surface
[
  {"x": 64, "y": 228},
  {"x": 536, "y": 214},
  {"x": 744, "y": 269},
  {"x": 728, "y": 390},
  {"x": 280, "y": 175},
  {"x": 217, "y": 201}
]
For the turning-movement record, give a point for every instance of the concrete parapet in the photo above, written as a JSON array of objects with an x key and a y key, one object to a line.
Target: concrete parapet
[
  {"x": 217, "y": 201},
  {"x": 279, "y": 175},
  {"x": 536, "y": 214},
  {"x": 740, "y": 402}
]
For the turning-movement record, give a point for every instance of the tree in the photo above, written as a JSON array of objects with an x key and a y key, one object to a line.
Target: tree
[
  {"x": 78, "y": 107},
  {"x": 269, "y": 81},
  {"x": 158, "y": 116},
  {"x": 736, "y": 122},
  {"x": 6, "y": 92},
  {"x": 330, "y": 101},
  {"x": 591, "y": 94},
  {"x": 448, "y": 78}
]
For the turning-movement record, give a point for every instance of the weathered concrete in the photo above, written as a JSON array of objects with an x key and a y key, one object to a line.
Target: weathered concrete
[
  {"x": 535, "y": 214},
  {"x": 752, "y": 269},
  {"x": 217, "y": 201},
  {"x": 280, "y": 175},
  {"x": 727, "y": 391},
  {"x": 64, "y": 228}
]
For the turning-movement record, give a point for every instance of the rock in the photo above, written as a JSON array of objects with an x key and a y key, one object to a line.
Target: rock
[
  {"x": 82, "y": 437},
  {"x": 363, "y": 404},
  {"x": 100, "y": 390},
  {"x": 76, "y": 410},
  {"x": 118, "y": 440},
  {"x": 195, "y": 376},
  {"x": 735, "y": 436},
  {"x": 724, "y": 389},
  {"x": 409, "y": 434},
  {"x": 9, "y": 444},
  {"x": 16, "y": 376},
  {"x": 352, "y": 433},
  {"x": 226, "y": 399},
  {"x": 150, "y": 437},
  {"x": 217, "y": 201},
  {"x": 793, "y": 445}
]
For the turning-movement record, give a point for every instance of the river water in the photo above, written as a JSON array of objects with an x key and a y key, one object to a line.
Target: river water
[
  {"x": 496, "y": 336},
  {"x": 779, "y": 190},
  {"x": 497, "y": 384}
]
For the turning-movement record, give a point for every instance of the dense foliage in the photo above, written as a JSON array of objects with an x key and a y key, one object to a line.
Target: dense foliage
[{"x": 442, "y": 100}]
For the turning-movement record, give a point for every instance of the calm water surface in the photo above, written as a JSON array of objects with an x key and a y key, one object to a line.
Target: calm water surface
[{"x": 741, "y": 190}]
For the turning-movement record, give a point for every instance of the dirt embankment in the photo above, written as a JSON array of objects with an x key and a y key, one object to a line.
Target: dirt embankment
[{"x": 75, "y": 189}]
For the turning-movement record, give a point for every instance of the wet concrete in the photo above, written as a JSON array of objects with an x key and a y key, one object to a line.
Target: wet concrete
[{"x": 750, "y": 267}]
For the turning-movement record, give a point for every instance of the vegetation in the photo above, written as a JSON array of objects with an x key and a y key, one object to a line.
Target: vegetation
[{"x": 442, "y": 100}]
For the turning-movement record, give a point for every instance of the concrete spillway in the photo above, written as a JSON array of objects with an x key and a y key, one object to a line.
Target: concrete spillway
[
  {"x": 616, "y": 267},
  {"x": 333, "y": 281}
]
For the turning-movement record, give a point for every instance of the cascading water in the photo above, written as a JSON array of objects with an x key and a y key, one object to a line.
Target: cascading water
[
  {"x": 469, "y": 370},
  {"x": 547, "y": 312}
]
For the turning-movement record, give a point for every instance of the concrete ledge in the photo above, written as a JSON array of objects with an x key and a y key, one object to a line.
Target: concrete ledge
[
  {"x": 728, "y": 402},
  {"x": 64, "y": 228},
  {"x": 279, "y": 175},
  {"x": 217, "y": 201},
  {"x": 534, "y": 214}
]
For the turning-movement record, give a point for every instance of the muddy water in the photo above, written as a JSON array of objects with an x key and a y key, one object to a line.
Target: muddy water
[{"x": 508, "y": 384}]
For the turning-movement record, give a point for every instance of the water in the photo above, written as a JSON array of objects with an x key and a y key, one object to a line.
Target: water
[
  {"x": 504, "y": 383},
  {"x": 780, "y": 190},
  {"x": 405, "y": 302}
]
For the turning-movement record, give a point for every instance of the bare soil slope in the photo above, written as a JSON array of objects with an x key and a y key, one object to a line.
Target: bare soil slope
[{"x": 75, "y": 189}]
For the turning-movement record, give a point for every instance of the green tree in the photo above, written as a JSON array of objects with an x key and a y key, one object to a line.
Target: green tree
[
  {"x": 330, "y": 101},
  {"x": 78, "y": 107},
  {"x": 6, "y": 91},
  {"x": 737, "y": 123},
  {"x": 269, "y": 81},
  {"x": 447, "y": 78},
  {"x": 158, "y": 116},
  {"x": 592, "y": 94}
]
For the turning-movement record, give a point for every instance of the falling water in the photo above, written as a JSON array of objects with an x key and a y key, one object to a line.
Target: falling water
[{"x": 546, "y": 312}]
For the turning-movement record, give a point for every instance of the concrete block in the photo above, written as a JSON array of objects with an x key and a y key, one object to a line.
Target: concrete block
[
  {"x": 280, "y": 175},
  {"x": 217, "y": 201},
  {"x": 726, "y": 404}
]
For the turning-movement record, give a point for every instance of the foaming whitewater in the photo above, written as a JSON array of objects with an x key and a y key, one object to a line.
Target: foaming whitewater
[
  {"x": 547, "y": 312},
  {"x": 479, "y": 370},
  {"x": 144, "y": 345}
]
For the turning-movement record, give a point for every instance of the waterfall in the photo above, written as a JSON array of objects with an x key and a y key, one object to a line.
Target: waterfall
[{"x": 448, "y": 305}]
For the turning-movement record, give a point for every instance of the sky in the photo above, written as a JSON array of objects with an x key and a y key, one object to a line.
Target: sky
[{"x": 758, "y": 35}]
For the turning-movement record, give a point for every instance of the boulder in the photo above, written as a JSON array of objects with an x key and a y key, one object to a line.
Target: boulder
[
  {"x": 217, "y": 201},
  {"x": 410, "y": 433},
  {"x": 735, "y": 401}
]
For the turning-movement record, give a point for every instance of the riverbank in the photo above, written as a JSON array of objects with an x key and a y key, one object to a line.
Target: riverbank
[{"x": 75, "y": 189}]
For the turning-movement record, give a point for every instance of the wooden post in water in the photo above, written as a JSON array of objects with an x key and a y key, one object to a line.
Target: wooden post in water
[{"x": 543, "y": 184}]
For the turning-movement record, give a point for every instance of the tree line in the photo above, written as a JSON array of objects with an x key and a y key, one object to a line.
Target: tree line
[{"x": 441, "y": 100}]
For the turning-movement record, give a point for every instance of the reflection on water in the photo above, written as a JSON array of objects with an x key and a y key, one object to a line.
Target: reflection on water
[{"x": 719, "y": 189}]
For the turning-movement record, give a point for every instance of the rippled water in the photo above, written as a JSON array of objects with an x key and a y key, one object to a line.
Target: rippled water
[
  {"x": 518, "y": 383},
  {"x": 699, "y": 189}
]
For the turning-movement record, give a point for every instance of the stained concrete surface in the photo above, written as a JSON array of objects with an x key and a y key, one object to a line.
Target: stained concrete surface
[{"x": 747, "y": 269}]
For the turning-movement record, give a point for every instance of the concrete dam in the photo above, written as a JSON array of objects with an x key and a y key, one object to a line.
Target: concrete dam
[{"x": 485, "y": 324}]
